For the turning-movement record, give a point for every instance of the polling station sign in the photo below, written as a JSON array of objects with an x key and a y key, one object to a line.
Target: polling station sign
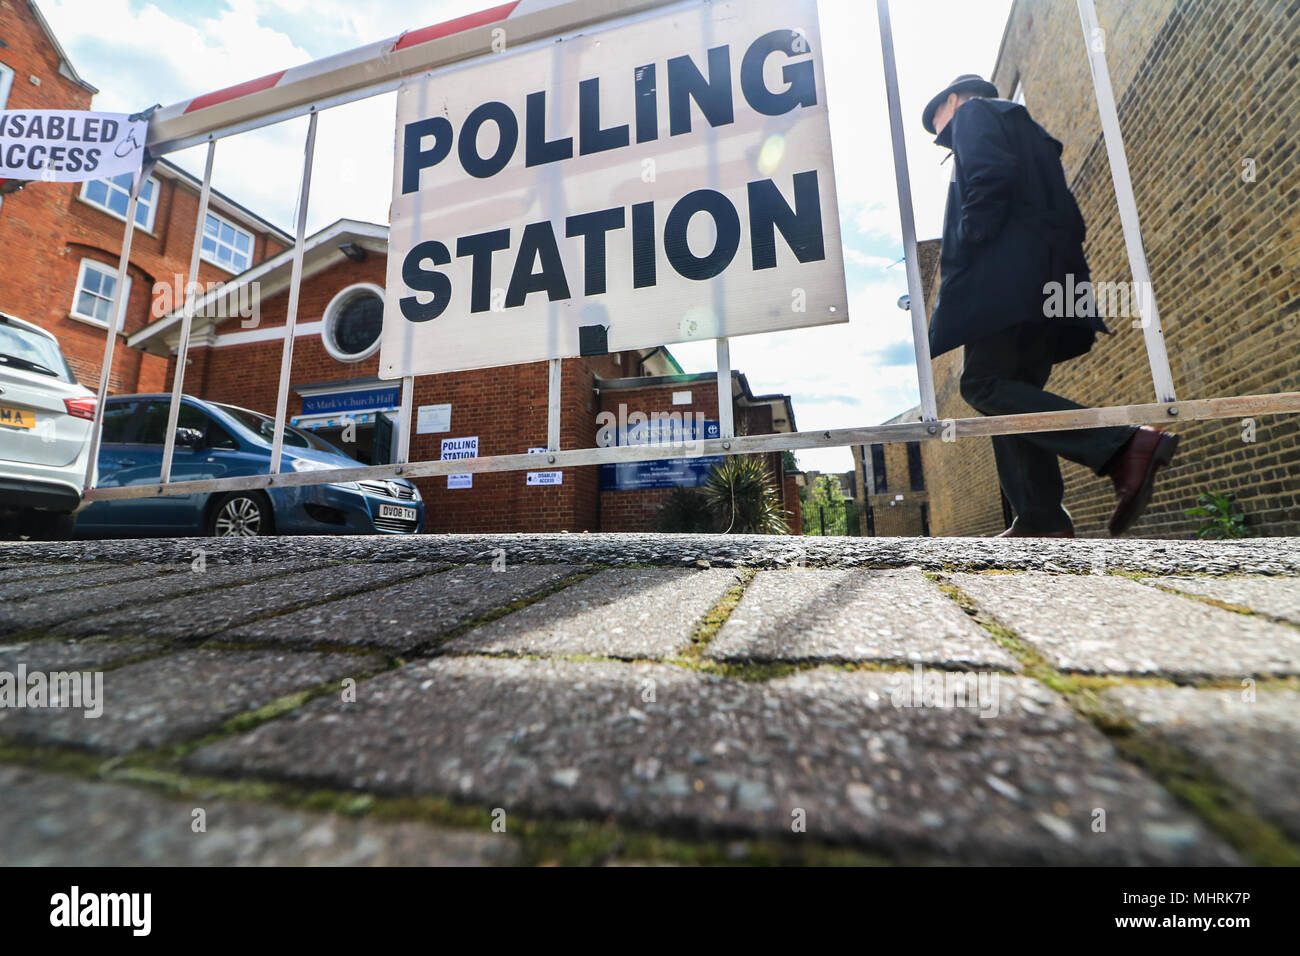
[
  {"x": 69, "y": 146},
  {"x": 665, "y": 178}
]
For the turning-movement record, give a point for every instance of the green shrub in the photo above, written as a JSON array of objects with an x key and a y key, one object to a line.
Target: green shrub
[
  {"x": 1223, "y": 519},
  {"x": 743, "y": 498}
]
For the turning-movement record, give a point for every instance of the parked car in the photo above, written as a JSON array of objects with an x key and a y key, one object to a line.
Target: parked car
[
  {"x": 223, "y": 441},
  {"x": 45, "y": 419}
]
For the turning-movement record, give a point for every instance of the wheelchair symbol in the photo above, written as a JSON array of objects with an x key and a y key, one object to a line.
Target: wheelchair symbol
[{"x": 126, "y": 146}]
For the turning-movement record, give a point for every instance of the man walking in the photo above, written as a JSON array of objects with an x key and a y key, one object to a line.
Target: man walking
[{"x": 1011, "y": 227}]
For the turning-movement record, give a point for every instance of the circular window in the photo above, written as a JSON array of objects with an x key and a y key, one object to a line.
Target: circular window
[{"x": 353, "y": 322}]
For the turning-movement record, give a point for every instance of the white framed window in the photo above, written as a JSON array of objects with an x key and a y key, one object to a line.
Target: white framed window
[
  {"x": 6, "y": 83},
  {"x": 1018, "y": 95},
  {"x": 93, "y": 298},
  {"x": 226, "y": 245},
  {"x": 113, "y": 196},
  {"x": 353, "y": 322}
]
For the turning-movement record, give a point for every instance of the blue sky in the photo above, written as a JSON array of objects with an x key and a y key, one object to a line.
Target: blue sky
[{"x": 141, "y": 52}]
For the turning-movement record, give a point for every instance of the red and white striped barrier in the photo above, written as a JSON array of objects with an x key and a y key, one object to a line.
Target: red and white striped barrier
[{"x": 369, "y": 69}]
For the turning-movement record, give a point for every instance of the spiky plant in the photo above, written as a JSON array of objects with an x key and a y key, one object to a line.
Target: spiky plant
[{"x": 743, "y": 498}]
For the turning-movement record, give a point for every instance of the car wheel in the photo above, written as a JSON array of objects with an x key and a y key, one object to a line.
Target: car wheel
[{"x": 240, "y": 514}]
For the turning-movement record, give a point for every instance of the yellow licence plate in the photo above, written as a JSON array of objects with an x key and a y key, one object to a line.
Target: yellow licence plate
[{"x": 17, "y": 417}]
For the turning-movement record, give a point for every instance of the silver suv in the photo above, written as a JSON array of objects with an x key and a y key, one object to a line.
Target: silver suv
[{"x": 45, "y": 420}]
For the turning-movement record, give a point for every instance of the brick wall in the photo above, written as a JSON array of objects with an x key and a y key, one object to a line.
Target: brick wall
[
  {"x": 46, "y": 230},
  {"x": 1201, "y": 85}
]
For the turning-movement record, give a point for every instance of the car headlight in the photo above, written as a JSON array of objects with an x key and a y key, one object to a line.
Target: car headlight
[{"x": 307, "y": 464}]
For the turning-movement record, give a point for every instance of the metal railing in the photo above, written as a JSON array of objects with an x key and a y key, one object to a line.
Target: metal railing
[{"x": 379, "y": 67}]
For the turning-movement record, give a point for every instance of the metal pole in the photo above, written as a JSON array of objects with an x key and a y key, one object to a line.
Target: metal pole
[
  {"x": 553, "y": 407},
  {"x": 915, "y": 294},
  {"x": 404, "y": 421},
  {"x": 114, "y": 312},
  {"x": 726, "y": 413},
  {"x": 1095, "y": 43},
  {"x": 187, "y": 319},
  {"x": 295, "y": 283}
]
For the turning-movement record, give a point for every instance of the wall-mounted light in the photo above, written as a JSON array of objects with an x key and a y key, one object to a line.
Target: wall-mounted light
[{"x": 353, "y": 251}]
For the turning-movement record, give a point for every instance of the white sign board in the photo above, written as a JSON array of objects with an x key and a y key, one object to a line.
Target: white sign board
[
  {"x": 431, "y": 419},
  {"x": 662, "y": 179},
  {"x": 69, "y": 146},
  {"x": 543, "y": 477},
  {"x": 454, "y": 448}
]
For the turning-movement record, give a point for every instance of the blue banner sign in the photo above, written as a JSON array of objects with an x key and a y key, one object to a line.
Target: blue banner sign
[
  {"x": 664, "y": 472},
  {"x": 357, "y": 400}
]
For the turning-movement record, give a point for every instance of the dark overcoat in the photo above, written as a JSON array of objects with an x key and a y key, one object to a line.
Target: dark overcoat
[{"x": 1011, "y": 227}]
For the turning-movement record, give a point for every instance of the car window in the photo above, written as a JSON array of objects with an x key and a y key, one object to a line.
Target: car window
[
  {"x": 264, "y": 428},
  {"x": 218, "y": 437},
  {"x": 117, "y": 416},
  {"x": 153, "y": 423},
  {"x": 32, "y": 351}
]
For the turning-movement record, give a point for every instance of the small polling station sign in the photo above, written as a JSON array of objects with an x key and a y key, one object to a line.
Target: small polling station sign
[
  {"x": 69, "y": 146},
  {"x": 665, "y": 178}
]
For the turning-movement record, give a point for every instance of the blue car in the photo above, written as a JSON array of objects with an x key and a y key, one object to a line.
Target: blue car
[{"x": 223, "y": 441}]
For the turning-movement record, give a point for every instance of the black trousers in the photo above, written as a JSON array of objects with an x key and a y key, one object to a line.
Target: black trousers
[{"x": 1004, "y": 374}]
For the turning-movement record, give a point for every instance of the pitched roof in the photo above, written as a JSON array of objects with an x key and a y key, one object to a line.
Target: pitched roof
[{"x": 65, "y": 65}]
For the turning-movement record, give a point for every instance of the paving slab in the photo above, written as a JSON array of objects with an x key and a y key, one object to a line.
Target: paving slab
[
  {"x": 1277, "y": 597},
  {"x": 1252, "y": 741},
  {"x": 210, "y": 612},
  {"x": 893, "y": 615},
  {"x": 642, "y": 613},
  {"x": 61, "y": 655},
  {"x": 1100, "y": 623},
  {"x": 660, "y": 746},
  {"x": 20, "y": 587},
  {"x": 25, "y": 571},
  {"x": 408, "y": 614},
  {"x": 45, "y": 611},
  {"x": 183, "y": 695},
  {"x": 49, "y": 820}
]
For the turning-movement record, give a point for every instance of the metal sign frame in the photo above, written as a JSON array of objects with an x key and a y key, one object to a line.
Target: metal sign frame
[{"x": 379, "y": 67}]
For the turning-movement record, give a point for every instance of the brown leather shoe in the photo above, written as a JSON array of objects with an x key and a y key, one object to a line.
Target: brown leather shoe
[
  {"x": 1014, "y": 532},
  {"x": 1134, "y": 474}
]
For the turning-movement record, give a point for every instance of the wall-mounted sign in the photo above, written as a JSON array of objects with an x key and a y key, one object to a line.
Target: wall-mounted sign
[
  {"x": 657, "y": 180},
  {"x": 69, "y": 146},
  {"x": 665, "y": 472},
  {"x": 353, "y": 400},
  {"x": 542, "y": 477},
  {"x": 431, "y": 419},
  {"x": 455, "y": 448}
]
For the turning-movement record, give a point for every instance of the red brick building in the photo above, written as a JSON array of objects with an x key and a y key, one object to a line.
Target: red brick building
[
  {"x": 336, "y": 391},
  {"x": 62, "y": 241}
]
